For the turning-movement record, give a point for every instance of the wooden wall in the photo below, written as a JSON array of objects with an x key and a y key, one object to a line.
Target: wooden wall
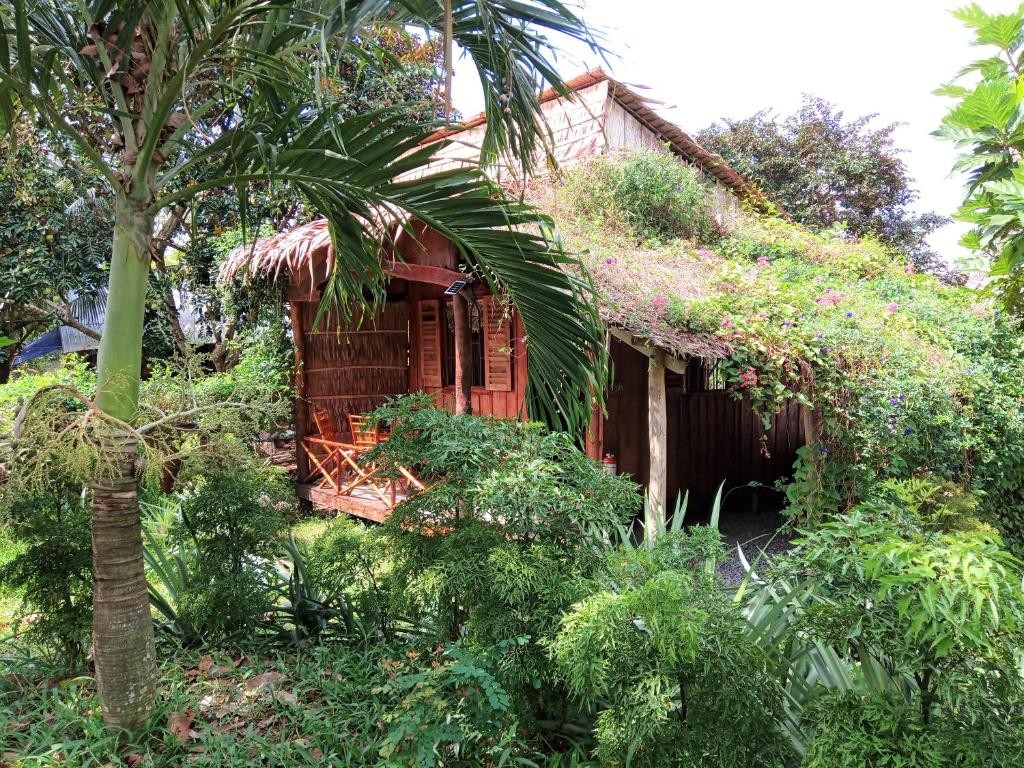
[
  {"x": 353, "y": 370},
  {"x": 504, "y": 395},
  {"x": 711, "y": 436},
  {"x": 717, "y": 437}
]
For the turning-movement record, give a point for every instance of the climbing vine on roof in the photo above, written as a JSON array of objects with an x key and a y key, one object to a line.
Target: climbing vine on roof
[{"x": 902, "y": 375}]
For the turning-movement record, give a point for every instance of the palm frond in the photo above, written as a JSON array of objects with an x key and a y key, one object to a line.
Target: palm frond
[{"x": 351, "y": 170}]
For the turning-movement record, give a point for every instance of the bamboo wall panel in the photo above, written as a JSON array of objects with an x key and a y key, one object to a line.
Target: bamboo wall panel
[{"x": 352, "y": 369}]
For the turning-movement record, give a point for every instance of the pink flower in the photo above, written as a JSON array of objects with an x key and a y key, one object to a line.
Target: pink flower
[
  {"x": 704, "y": 253},
  {"x": 763, "y": 261},
  {"x": 728, "y": 323},
  {"x": 660, "y": 301},
  {"x": 829, "y": 298},
  {"x": 609, "y": 260},
  {"x": 909, "y": 268},
  {"x": 748, "y": 378},
  {"x": 892, "y": 307}
]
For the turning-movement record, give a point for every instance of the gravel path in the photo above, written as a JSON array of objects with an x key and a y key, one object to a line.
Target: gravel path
[{"x": 755, "y": 533}]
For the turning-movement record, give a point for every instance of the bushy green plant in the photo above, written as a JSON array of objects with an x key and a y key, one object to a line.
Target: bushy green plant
[
  {"x": 477, "y": 727},
  {"x": 51, "y": 569},
  {"x": 353, "y": 562},
  {"x": 920, "y": 609},
  {"x": 665, "y": 657},
  {"x": 654, "y": 194},
  {"x": 232, "y": 513},
  {"x": 852, "y": 730},
  {"x": 511, "y": 525}
]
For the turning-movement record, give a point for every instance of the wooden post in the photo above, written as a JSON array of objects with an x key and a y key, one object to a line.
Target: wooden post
[
  {"x": 301, "y": 404},
  {"x": 463, "y": 355},
  {"x": 657, "y": 428}
]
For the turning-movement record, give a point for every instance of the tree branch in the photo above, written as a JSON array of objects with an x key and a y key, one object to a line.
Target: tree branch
[{"x": 66, "y": 317}]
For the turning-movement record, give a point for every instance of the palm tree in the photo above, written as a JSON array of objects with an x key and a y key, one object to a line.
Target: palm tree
[{"x": 168, "y": 98}]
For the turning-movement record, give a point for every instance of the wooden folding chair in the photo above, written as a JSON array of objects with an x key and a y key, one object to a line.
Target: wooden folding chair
[
  {"x": 332, "y": 450},
  {"x": 365, "y": 436}
]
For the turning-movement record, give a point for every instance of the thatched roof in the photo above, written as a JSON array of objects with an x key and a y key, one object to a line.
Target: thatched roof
[
  {"x": 636, "y": 287},
  {"x": 303, "y": 247}
]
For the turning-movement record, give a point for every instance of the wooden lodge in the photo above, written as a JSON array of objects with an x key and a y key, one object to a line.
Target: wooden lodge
[{"x": 669, "y": 421}]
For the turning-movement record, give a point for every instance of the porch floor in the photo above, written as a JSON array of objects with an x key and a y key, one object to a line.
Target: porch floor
[{"x": 359, "y": 502}]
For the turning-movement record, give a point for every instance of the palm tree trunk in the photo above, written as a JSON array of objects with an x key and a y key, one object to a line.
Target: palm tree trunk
[{"x": 122, "y": 623}]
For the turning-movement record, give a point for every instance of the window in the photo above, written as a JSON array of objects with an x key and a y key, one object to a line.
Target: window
[
  {"x": 704, "y": 375},
  {"x": 476, "y": 335}
]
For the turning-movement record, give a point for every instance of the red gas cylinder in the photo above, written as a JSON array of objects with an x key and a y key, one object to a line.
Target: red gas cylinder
[{"x": 611, "y": 465}]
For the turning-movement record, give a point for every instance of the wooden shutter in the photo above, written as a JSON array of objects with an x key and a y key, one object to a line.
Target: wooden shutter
[
  {"x": 430, "y": 343},
  {"x": 497, "y": 345}
]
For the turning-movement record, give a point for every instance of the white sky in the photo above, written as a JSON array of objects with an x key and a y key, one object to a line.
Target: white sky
[{"x": 708, "y": 59}]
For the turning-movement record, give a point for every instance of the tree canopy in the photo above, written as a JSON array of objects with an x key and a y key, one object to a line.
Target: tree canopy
[{"x": 826, "y": 170}]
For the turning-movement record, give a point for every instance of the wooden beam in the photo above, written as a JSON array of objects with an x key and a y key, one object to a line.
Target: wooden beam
[
  {"x": 301, "y": 404},
  {"x": 657, "y": 428},
  {"x": 423, "y": 273},
  {"x": 674, "y": 364},
  {"x": 463, "y": 355},
  {"x": 303, "y": 286}
]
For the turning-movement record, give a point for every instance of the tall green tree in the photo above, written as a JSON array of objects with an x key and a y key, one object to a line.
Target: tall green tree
[
  {"x": 986, "y": 123},
  {"x": 54, "y": 246},
  {"x": 824, "y": 169},
  {"x": 129, "y": 84}
]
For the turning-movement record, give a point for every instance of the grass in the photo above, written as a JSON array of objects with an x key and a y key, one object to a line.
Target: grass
[
  {"x": 9, "y": 600},
  {"x": 309, "y": 529},
  {"x": 217, "y": 710}
]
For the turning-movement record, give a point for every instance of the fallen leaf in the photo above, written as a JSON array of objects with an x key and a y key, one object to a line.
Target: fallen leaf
[
  {"x": 266, "y": 680},
  {"x": 315, "y": 753},
  {"x": 205, "y": 663},
  {"x": 180, "y": 724},
  {"x": 133, "y": 760},
  {"x": 285, "y": 697}
]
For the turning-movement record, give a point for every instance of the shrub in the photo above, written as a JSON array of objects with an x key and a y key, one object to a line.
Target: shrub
[
  {"x": 883, "y": 730},
  {"x": 510, "y": 528},
  {"x": 353, "y": 562},
  {"x": 655, "y": 194},
  {"x": 232, "y": 514},
  {"x": 921, "y": 609},
  {"x": 477, "y": 727},
  {"x": 665, "y": 657},
  {"x": 52, "y": 569}
]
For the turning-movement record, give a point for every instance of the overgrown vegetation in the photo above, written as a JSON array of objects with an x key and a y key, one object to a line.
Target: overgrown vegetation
[
  {"x": 656, "y": 200},
  {"x": 510, "y": 613},
  {"x": 505, "y": 616},
  {"x": 902, "y": 373}
]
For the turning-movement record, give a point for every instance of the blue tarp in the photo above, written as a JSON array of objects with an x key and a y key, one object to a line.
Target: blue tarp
[{"x": 43, "y": 345}]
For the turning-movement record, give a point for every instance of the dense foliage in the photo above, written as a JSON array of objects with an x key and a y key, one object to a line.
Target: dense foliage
[
  {"x": 657, "y": 200},
  {"x": 53, "y": 247},
  {"x": 919, "y": 608},
  {"x": 902, "y": 374},
  {"x": 659, "y": 649},
  {"x": 825, "y": 170},
  {"x": 985, "y": 123},
  {"x": 504, "y": 616}
]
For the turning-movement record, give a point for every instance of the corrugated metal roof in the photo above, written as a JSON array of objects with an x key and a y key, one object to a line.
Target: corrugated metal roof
[{"x": 91, "y": 311}]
